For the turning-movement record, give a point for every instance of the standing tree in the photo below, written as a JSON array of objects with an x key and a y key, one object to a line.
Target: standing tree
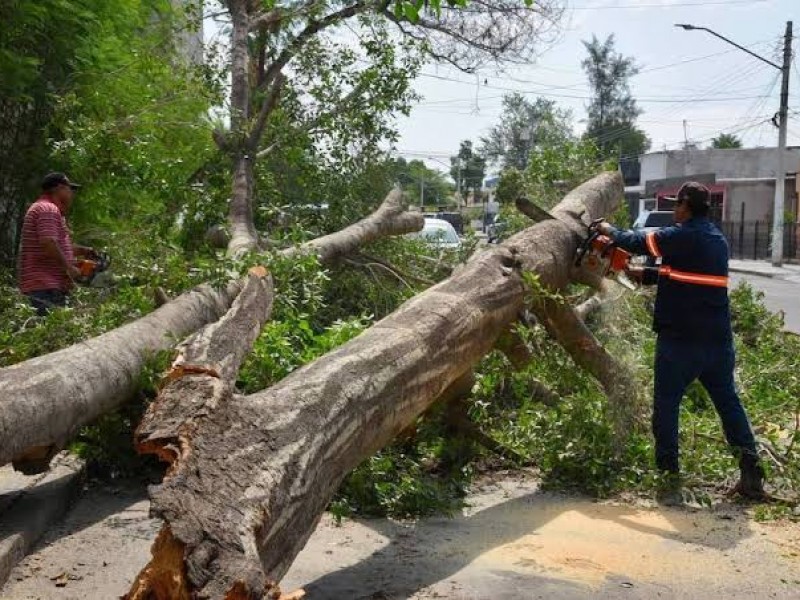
[
  {"x": 612, "y": 110},
  {"x": 467, "y": 169},
  {"x": 422, "y": 185},
  {"x": 270, "y": 39},
  {"x": 524, "y": 126},
  {"x": 726, "y": 141}
]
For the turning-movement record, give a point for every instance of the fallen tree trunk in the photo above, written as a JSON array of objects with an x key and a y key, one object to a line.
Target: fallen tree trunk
[
  {"x": 248, "y": 486},
  {"x": 45, "y": 400}
]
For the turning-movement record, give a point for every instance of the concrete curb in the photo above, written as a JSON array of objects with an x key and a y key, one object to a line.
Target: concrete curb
[
  {"x": 752, "y": 272},
  {"x": 31, "y": 511}
]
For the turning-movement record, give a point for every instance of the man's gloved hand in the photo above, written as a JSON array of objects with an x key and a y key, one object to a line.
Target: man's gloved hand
[{"x": 605, "y": 227}]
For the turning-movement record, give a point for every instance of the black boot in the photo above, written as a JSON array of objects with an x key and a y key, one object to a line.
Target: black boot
[
  {"x": 751, "y": 481},
  {"x": 670, "y": 489}
]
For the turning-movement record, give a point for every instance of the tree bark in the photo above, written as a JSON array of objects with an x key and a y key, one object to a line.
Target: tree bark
[
  {"x": 45, "y": 400},
  {"x": 240, "y": 210},
  {"x": 247, "y": 488}
]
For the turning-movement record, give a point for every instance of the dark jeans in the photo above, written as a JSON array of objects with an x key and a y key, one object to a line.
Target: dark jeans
[
  {"x": 45, "y": 300},
  {"x": 679, "y": 363}
]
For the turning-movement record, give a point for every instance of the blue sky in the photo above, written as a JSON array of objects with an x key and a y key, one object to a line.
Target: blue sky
[{"x": 669, "y": 92}]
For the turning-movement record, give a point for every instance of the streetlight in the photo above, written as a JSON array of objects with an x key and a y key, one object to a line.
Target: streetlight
[{"x": 783, "y": 116}]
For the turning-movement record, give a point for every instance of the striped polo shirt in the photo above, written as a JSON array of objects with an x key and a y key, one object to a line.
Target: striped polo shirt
[{"x": 37, "y": 271}]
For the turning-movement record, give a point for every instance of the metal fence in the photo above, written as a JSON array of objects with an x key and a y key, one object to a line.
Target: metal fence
[{"x": 753, "y": 239}]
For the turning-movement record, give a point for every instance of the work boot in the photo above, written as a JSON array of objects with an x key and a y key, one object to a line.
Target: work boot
[
  {"x": 751, "y": 481},
  {"x": 670, "y": 490}
]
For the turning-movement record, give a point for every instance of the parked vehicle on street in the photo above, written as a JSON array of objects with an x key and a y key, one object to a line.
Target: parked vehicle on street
[
  {"x": 438, "y": 233},
  {"x": 651, "y": 220},
  {"x": 454, "y": 218}
]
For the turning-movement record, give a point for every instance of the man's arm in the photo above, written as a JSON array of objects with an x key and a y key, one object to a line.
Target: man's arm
[
  {"x": 84, "y": 251},
  {"x": 665, "y": 242},
  {"x": 53, "y": 251}
]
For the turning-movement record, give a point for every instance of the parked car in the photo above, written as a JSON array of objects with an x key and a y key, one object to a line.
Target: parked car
[
  {"x": 439, "y": 234},
  {"x": 454, "y": 218},
  {"x": 650, "y": 220}
]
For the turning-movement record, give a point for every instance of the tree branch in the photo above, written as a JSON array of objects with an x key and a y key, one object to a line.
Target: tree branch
[
  {"x": 309, "y": 126},
  {"x": 269, "y": 104}
]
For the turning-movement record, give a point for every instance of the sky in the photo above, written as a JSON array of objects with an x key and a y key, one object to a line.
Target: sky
[
  {"x": 727, "y": 91},
  {"x": 686, "y": 76}
]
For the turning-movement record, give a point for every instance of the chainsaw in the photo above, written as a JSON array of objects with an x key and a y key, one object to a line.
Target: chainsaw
[
  {"x": 600, "y": 255},
  {"x": 90, "y": 267}
]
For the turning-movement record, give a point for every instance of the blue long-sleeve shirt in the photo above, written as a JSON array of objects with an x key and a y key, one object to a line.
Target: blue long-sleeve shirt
[{"x": 692, "y": 295}]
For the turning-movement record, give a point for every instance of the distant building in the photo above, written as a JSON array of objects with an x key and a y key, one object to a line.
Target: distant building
[{"x": 741, "y": 181}]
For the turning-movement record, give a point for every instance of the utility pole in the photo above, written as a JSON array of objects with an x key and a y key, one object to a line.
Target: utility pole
[
  {"x": 783, "y": 117},
  {"x": 422, "y": 189},
  {"x": 780, "y": 176}
]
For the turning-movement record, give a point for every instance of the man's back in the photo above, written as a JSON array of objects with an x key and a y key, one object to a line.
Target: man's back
[{"x": 37, "y": 270}]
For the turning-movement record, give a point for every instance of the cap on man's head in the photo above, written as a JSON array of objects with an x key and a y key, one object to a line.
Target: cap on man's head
[
  {"x": 694, "y": 194},
  {"x": 53, "y": 180}
]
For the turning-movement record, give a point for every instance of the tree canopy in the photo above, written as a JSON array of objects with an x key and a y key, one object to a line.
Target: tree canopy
[
  {"x": 525, "y": 126},
  {"x": 612, "y": 110},
  {"x": 726, "y": 141},
  {"x": 468, "y": 169}
]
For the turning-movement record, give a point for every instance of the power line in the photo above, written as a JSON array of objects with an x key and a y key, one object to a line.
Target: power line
[
  {"x": 668, "y": 6},
  {"x": 545, "y": 93}
]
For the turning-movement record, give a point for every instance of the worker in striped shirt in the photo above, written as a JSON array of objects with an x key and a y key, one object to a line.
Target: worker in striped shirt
[
  {"x": 46, "y": 266},
  {"x": 695, "y": 341}
]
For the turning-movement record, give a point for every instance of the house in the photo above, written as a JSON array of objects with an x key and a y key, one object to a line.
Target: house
[{"x": 741, "y": 181}]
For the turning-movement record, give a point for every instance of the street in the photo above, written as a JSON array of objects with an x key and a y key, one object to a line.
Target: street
[{"x": 779, "y": 294}]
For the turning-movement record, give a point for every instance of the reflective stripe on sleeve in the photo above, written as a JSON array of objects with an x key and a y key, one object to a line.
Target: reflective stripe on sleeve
[
  {"x": 693, "y": 278},
  {"x": 652, "y": 245}
]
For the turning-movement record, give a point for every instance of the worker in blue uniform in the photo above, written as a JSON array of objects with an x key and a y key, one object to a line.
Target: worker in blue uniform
[{"x": 695, "y": 341}]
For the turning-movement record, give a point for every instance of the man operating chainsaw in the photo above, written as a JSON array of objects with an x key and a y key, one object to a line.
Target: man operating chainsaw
[
  {"x": 695, "y": 341},
  {"x": 47, "y": 267}
]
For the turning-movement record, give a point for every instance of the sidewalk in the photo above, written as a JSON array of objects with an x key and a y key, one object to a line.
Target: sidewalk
[
  {"x": 763, "y": 268},
  {"x": 29, "y": 506}
]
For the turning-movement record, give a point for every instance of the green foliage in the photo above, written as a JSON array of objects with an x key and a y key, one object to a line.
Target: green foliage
[
  {"x": 524, "y": 126},
  {"x": 109, "y": 102},
  {"x": 510, "y": 187},
  {"x": 423, "y": 186},
  {"x": 612, "y": 110},
  {"x": 554, "y": 170},
  {"x": 468, "y": 169},
  {"x": 400, "y": 482},
  {"x": 726, "y": 141}
]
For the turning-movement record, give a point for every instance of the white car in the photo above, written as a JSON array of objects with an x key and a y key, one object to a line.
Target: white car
[
  {"x": 654, "y": 220},
  {"x": 438, "y": 233}
]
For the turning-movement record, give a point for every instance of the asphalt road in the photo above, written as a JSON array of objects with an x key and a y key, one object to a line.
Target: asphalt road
[{"x": 779, "y": 294}]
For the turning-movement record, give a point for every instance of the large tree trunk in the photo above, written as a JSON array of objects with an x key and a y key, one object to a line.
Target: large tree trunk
[
  {"x": 249, "y": 484},
  {"x": 45, "y": 400}
]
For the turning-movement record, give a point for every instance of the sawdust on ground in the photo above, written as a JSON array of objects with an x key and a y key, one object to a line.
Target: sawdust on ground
[{"x": 513, "y": 543}]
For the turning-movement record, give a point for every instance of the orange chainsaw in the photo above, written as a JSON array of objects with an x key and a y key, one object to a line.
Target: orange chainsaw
[
  {"x": 600, "y": 255},
  {"x": 91, "y": 267}
]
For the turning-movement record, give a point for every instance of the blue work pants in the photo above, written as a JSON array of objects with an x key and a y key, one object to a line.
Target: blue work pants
[{"x": 678, "y": 363}]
